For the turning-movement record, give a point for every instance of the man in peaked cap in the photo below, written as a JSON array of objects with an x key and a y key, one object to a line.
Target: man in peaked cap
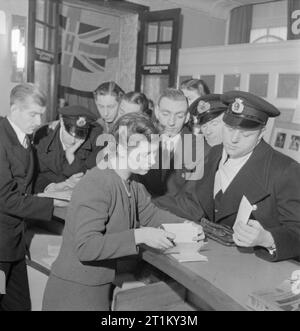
[
  {"x": 245, "y": 165},
  {"x": 207, "y": 113},
  {"x": 68, "y": 150}
]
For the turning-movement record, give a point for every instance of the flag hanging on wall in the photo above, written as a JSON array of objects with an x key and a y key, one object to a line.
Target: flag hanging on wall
[
  {"x": 89, "y": 49},
  {"x": 293, "y": 19}
]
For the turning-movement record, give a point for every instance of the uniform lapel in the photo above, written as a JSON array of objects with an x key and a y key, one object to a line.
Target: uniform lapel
[
  {"x": 16, "y": 148},
  {"x": 205, "y": 189},
  {"x": 250, "y": 181},
  {"x": 54, "y": 151}
]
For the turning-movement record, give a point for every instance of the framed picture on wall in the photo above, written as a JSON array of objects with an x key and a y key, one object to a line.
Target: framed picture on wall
[{"x": 286, "y": 139}]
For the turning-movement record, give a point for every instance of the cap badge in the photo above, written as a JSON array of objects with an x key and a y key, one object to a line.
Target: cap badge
[
  {"x": 203, "y": 107},
  {"x": 238, "y": 106},
  {"x": 81, "y": 122}
]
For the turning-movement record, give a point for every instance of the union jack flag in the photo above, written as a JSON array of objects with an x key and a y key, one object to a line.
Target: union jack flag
[{"x": 85, "y": 47}]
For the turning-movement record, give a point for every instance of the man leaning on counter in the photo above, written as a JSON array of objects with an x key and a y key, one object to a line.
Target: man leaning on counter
[{"x": 245, "y": 165}]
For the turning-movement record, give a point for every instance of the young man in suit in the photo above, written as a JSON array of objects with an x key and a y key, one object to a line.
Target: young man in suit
[
  {"x": 27, "y": 105},
  {"x": 66, "y": 152},
  {"x": 247, "y": 166},
  {"x": 181, "y": 153}
]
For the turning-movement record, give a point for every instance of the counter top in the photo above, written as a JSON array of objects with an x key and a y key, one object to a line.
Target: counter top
[{"x": 222, "y": 283}]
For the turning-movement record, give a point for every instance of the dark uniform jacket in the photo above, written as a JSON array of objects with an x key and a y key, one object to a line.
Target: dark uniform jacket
[
  {"x": 16, "y": 200},
  {"x": 269, "y": 179},
  {"x": 159, "y": 181},
  {"x": 53, "y": 166}
]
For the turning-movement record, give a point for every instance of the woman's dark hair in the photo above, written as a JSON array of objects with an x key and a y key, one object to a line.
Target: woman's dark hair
[
  {"x": 195, "y": 84},
  {"x": 109, "y": 88},
  {"x": 138, "y": 99},
  {"x": 135, "y": 124}
]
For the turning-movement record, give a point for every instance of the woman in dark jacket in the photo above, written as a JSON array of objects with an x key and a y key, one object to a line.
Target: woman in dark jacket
[{"x": 103, "y": 222}]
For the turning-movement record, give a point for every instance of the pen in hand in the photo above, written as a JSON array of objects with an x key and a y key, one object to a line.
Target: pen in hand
[{"x": 172, "y": 241}]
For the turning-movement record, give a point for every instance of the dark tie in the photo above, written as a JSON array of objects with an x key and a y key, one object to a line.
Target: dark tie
[{"x": 218, "y": 203}]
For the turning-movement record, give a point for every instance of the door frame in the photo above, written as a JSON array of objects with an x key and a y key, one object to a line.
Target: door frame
[{"x": 159, "y": 16}]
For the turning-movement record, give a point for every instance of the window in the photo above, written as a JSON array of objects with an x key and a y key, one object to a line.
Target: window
[
  {"x": 269, "y": 22},
  {"x": 268, "y": 35}
]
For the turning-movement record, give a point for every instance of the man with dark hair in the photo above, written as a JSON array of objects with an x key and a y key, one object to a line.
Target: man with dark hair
[
  {"x": 246, "y": 166},
  {"x": 27, "y": 105},
  {"x": 181, "y": 154},
  {"x": 66, "y": 152}
]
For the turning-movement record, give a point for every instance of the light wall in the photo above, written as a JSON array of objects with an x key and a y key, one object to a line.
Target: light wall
[
  {"x": 10, "y": 7},
  {"x": 202, "y": 30},
  {"x": 199, "y": 29}
]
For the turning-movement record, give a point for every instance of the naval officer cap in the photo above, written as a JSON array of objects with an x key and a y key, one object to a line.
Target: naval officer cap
[
  {"x": 77, "y": 120},
  {"x": 208, "y": 107},
  {"x": 247, "y": 110}
]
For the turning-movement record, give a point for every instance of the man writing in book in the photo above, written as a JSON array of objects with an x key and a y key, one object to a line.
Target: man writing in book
[
  {"x": 27, "y": 105},
  {"x": 245, "y": 165},
  {"x": 67, "y": 151}
]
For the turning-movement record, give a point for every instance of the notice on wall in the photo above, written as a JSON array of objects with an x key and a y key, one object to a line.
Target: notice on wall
[{"x": 293, "y": 19}]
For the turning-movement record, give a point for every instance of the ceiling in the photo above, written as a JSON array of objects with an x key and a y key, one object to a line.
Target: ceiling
[{"x": 216, "y": 8}]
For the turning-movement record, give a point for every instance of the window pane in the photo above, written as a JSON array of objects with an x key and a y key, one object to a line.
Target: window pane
[
  {"x": 286, "y": 115},
  {"x": 44, "y": 37},
  {"x": 280, "y": 32},
  {"x": 150, "y": 55},
  {"x": 40, "y": 10},
  {"x": 288, "y": 86},
  {"x": 209, "y": 80},
  {"x": 51, "y": 19},
  {"x": 166, "y": 31},
  {"x": 39, "y": 35},
  {"x": 256, "y": 34},
  {"x": 164, "y": 54},
  {"x": 152, "y": 32},
  {"x": 154, "y": 85},
  {"x": 231, "y": 82},
  {"x": 259, "y": 84}
]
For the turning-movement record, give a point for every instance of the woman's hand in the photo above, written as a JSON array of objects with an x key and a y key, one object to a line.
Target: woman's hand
[{"x": 155, "y": 238}]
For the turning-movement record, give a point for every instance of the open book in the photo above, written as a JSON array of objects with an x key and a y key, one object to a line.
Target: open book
[{"x": 186, "y": 249}]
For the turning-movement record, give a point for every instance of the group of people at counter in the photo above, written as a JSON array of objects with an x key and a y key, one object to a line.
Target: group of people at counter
[{"x": 113, "y": 210}]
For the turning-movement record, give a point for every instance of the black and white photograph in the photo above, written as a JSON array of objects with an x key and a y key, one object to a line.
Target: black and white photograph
[
  {"x": 295, "y": 143},
  {"x": 280, "y": 140},
  {"x": 149, "y": 158}
]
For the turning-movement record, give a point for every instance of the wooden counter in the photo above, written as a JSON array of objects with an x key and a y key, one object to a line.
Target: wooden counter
[
  {"x": 226, "y": 280},
  {"x": 222, "y": 283}
]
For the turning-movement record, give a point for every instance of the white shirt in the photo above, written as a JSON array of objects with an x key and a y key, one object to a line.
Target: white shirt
[
  {"x": 20, "y": 134},
  {"x": 170, "y": 143},
  {"x": 228, "y": 169},
  {"x": 61, "y": 140}
]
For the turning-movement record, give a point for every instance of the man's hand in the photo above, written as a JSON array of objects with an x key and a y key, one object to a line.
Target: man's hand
[
  {"x": 71, "y": 151},
  {"x": 72, "y": 181},
  {"x": 251, "y": 235},
  {"x": 201, "y": 234},
  {"x": 155, "y": 238}
]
